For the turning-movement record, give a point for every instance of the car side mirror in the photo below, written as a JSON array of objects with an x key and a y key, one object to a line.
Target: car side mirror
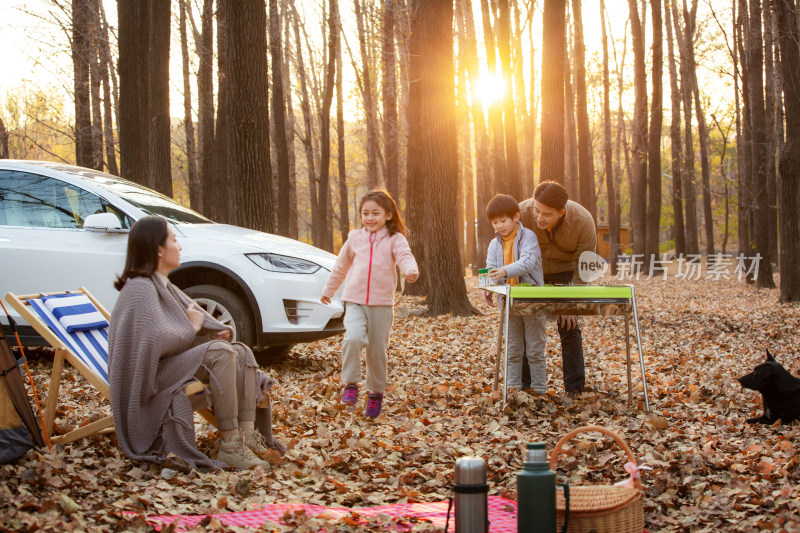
[{"x": 107, "y": 222}]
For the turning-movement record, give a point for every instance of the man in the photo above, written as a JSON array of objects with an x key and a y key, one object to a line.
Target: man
[{"x": 565, "y": 230}]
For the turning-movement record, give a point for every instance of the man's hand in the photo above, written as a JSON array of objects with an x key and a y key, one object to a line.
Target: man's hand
[
  {"x": 567, "y": 322},
  {"x": 487, "y": 297},
  {"x": 325, "y": 300},
  {"x": 496, "y": 274}
]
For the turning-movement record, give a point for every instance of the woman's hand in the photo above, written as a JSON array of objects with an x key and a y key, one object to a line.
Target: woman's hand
[
  {"x": 411, "y": 277},
  {"x": 195, "y": 317},
  {"x": 325, "y": 300},
  {"x": 224, "y": 335}
]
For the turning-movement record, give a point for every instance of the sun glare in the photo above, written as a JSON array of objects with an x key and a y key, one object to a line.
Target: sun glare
[{"x": 490, "y": 88}]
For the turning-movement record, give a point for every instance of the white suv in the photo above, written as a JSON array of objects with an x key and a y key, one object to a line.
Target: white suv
[{"x": 63, "y": 227}]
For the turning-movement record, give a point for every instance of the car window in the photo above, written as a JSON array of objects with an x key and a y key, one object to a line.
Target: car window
[{"x": 31, "y": 200}]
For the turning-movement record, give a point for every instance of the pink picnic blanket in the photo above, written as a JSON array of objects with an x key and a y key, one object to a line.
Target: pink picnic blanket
[{"x": 502, "y": 515}]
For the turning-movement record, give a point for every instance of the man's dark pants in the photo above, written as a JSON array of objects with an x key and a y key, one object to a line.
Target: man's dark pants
[{"x": 571, "y": 348}]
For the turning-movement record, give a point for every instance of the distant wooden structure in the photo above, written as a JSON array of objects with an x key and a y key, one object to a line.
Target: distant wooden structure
[{"x": 603, "y": 240}]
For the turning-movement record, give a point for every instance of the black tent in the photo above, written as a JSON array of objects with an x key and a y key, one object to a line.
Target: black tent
[{"x": 19, "y": 431}]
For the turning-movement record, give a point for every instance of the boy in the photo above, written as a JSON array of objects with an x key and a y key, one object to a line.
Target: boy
[{"x": 514, "y": 257}]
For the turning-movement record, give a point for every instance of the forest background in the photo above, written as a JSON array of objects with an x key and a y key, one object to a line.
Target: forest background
[{"x": 670, "y": 119}]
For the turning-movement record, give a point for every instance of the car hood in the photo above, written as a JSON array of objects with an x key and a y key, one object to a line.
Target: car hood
[{"x": 258, "y": 241}]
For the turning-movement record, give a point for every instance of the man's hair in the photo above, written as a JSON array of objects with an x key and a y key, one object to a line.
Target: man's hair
[
  {"x": 551, "y": 194},
  {"x": 501, "y": 205}
]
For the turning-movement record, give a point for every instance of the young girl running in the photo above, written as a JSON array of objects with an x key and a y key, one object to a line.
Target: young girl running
[{"x": 366, "y": 264}]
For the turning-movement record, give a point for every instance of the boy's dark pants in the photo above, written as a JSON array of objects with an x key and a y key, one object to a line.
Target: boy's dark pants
[{"x": 571, "y": 348}]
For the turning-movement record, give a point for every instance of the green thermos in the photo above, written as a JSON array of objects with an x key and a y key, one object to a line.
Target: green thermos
[{"x": 536, "y": 492}]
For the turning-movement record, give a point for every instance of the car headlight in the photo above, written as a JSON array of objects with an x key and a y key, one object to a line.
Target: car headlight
[{"x": 282, "y": 263}]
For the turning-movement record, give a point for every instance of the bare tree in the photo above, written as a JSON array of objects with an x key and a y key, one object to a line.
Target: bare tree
[
  {"x": 585, "y": 158},
  {"x": 554, "y": 45},
  {"x": 653, "y": 217},
  {"x": 195, "y": 185},
  {"x": 250, "y": 165},
  {"x": 204, "y": 43},
  {"x": 613, "y": 220},
  {"x": 389, "y": 95},
  {"x": 513, "y": 180},
  {"x": 279, "y": 116},
  {"x": 217, "y": 194},
  {"x": 678, "y": 232},
  {"x": 81, "y": 59},
  {"x": 639, "y": 134},
  {"x": 344, "y": 214},
  {"x": 370, "y": 104},
  {"x": 324, "y": 230},
  {"x": 3, "y": 140},
  {"x": 134, "y": 30},
  {"x": 159, "y": 147},
  {"x": 107, "y": 75},
  {"x": 439, "y": 158},
  {"x": 788, "y": 36},
  {"x": 495, "y": 107}
]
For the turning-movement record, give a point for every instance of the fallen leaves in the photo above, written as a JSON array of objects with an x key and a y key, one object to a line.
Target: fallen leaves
[{"x": 711, "y": 470}]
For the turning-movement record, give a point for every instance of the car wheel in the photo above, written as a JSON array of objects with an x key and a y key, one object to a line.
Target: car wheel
[
  {"x": 226, "y": 307},
  {"x": 271, "y": 355}
]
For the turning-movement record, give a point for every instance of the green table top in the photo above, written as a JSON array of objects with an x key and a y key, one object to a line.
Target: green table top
[{"x": 571, "y": 291}]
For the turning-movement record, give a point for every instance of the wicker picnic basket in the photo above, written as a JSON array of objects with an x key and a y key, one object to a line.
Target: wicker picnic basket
[{"x": 600, "y": 508}]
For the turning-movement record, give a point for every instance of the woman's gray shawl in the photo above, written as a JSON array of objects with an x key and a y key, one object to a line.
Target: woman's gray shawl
[{"x": 151, "y": 358}]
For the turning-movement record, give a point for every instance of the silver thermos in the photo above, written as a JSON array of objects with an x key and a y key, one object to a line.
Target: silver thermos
[{"x": 471, "y": 496}]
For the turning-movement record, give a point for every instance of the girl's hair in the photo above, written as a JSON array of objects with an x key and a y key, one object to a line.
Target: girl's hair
[
  {"x": 382, "y": 198},
  {"x": 147, "y": 234}
]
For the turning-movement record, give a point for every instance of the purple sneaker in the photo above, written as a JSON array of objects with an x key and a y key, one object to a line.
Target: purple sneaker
[
  {"x": 350, "y": 394},
  {"x": 374, "y": 404}
]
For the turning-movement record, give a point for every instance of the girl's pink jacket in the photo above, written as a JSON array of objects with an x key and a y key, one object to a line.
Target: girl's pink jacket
[{"x": 367, "y": 261}]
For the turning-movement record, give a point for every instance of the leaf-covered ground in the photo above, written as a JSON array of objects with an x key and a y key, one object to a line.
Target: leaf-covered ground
[{"x": 711, "y": 470}]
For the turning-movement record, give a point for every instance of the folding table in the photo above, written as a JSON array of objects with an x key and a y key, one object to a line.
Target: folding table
[{"x": 552, "y": 300}]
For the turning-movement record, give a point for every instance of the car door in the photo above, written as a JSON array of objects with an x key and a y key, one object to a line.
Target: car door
[{"x": 43, "y": 246}]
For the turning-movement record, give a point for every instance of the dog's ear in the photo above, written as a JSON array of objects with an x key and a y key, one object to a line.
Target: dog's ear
[{"x": 769, "y": 356}]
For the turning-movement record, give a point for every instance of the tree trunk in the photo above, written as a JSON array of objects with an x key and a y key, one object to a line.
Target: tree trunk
[
  {"x": 526, "y": 154},
  {"x": 3, "y": 140},
  {"x": 81, "y": 54},
  {"x": 613, "y": 221},
  {"x": 483, "y": 165},
  {"x": 159, "y": 147},
  {"x": 585, "y": 158},
  {"x": 653, "y": 217},
  {"x": 370, "y": 105},
  {"x": 554, "y": 46},
  {"x": 204, "y": 42},
  {"x": 639, "y": 133},
  {"x": 739, "y": 129},
  {"x": 678, "y": 231},
  {"x": 195, "y": 186},
  {"x": 685, "y": 39},
  {"x": 439, "y": 159},
  {"x": 770, "y": 68},
  {"x": 702, "y": 132},
  {"x": 324, "y": 229},
  {"x": 344, "y": 213},
  {"x": 418, "y": 192},
  {"x": 500, "y": 182},
  {"x": 290, "y": 120},
  {"x": 389, "y": 94},
  {"x": 745, "y": 164},
  {"x": 250, "y": 165},
  {"x": 513, "y": 180},
  {"x": 279, "y": 116},
  {"x": 788, "y": 36},
  {"x": 95, "y": 59},
  {"x": 106, "y": 68},
  {"x": 308, "y": 140},
  {"x": 570, "y": 133},
  {"x": 134, "y": 30},
  {"x": 757, "y": 110},
  {"x": 216, "y": 185}
]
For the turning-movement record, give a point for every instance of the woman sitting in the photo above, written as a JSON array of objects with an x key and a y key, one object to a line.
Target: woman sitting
[{"x": 159, "y": 341}]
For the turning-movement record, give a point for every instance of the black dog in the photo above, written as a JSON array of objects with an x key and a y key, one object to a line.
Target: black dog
[{"x": 779, "y": 389}]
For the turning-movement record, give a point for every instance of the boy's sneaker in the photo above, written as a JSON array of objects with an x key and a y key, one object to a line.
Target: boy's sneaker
[
  {"x": 374, "y": 404},
  {"x": 350, "y": 394}
]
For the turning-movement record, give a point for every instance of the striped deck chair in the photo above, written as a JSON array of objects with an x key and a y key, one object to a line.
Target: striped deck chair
[{"x": 76, "y": 325}]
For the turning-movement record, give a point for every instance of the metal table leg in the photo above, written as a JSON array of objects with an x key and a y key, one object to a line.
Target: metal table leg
[
  {"x": 499, "y": 351},
  {"x": 507, "y": 306},
  {"x": 639, "y": 344},
  {"x": 628, "y": 357}
]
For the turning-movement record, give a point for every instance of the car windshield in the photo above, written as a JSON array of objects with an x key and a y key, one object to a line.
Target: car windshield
[{"x": 147, "y": 200}]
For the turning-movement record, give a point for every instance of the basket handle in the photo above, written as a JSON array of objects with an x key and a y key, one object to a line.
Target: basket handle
[{"x": 604, "y": 431}]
